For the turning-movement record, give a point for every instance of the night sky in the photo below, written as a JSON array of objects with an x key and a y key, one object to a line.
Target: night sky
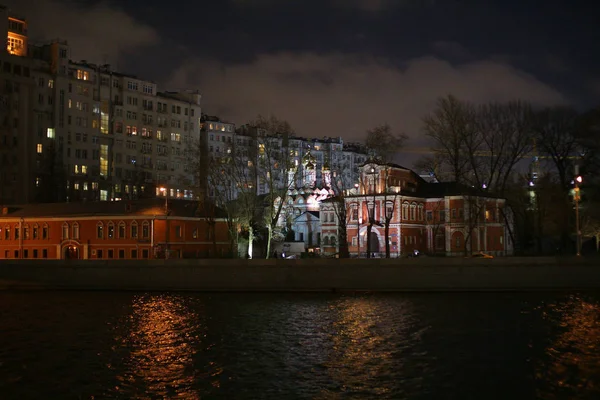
[{"x": 338, "y": 67}]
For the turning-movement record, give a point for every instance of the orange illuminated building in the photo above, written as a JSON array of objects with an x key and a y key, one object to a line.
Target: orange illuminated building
[
  {"x": 16, "y": 33},
  {"x": 112, "y": 230},
  {"x": 433, "y": 218}
]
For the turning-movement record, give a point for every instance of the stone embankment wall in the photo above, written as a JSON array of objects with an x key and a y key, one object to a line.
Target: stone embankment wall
[{"x": 421, "y": 274}]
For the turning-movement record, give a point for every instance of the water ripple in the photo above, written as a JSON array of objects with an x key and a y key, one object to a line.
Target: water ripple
[{"x": 299, "y": 346}]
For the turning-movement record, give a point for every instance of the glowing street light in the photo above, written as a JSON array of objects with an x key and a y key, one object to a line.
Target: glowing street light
[
  {"x": 577, "y": 197},
  {"x": 164, "y": 191}
]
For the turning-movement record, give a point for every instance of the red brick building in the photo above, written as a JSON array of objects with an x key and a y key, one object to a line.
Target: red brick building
[
  {"x": 435, "y": 218},
  {"x": 111, "y": 230}
]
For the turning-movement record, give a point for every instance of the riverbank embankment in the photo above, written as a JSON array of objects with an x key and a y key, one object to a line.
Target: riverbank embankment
[{"x": 419, "y": 274}]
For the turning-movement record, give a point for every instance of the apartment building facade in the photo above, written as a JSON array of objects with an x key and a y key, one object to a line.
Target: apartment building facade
[{"x": 75, "y": 131}]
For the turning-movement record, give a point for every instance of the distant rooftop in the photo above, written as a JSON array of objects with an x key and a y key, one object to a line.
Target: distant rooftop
[{"x": 109, "y": 209}]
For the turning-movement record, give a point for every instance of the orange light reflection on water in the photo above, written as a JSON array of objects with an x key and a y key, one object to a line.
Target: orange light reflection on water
[
  {"x": 573, "y": 359},
  {"x": 161, "y": 337},
  {"x": 362, "y": 347}
]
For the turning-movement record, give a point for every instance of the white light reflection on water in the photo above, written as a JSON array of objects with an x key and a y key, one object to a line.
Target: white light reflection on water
[
  {"x": 368, "y": 344},
  {"x": 162, "y": 336}
]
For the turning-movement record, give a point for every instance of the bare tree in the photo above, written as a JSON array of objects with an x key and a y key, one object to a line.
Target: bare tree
[
  {"x": 341, "y": 205},
  {"x": 448, "y": 125},
  {"x": 435, "y": 222},
  {"x": 384, "y": 146},
  {"x": 275, "y": 169},
  {"x": 556, "y": 138},
  {"x": 433, "y": 165},
  {"x": 502, "y": 135}
]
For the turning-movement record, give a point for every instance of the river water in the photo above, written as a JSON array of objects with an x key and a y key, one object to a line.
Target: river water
[{"x": 103, "y": 345}]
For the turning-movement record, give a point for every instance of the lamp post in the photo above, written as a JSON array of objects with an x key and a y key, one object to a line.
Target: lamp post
[
  {"x": 165, "y": 192},
  {"x": 577, "y": 196},
  {"x": 358, "y": 223},
  {"x": 371, "y": 211}
]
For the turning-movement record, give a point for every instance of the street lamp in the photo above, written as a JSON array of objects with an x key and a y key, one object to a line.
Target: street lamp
[
  {"x": 358, "y": 224},
  {"x": 165, "y": 192},
  {"x": 371, "y": 210},
  {"x": 577, "y": 196}
]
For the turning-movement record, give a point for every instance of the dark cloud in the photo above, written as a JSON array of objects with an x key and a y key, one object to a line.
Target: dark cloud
[
  {"x": 343, "y": 95},
  {"x": 99, "y": 32},
  {"x": 322, "y": 90}
]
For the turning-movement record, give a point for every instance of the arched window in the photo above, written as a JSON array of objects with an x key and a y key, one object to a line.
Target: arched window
[
  {"x": 100, "y": 230},
  {"x": 122, "y": 229},
  {"x": 26, "y": 232},
  {"x": 45, "y": 231},
  {"x": 75, "y": 230},
  {"x": 7, "y": 232},
  {"x": 145, "y": 230},
  {"x": 413, "y": 211},
  {"x": 134, "y": 230},
  {"x": 404, "y": 211},
  {"x": 332, "y": 241},
  {"x": 420, "y": 212},
  {"x": 110, "y": 228},
  {"x": 389, "y": 210},
  {"x": 36, "y": 231},
  {"x": 65, "y": 231},
  {"x": 326, "y": 241}
]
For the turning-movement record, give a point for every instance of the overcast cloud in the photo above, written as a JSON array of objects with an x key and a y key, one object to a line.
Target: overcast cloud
[
  {"x": 342, "y": 95},
  {"x": 99, "y": 33},
  {"x": 320, "y": 94}
]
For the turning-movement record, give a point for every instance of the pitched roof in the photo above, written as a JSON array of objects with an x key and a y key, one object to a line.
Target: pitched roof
[
  {"x": 153, "y": 206},
  {"x": 442, "y": 189}
]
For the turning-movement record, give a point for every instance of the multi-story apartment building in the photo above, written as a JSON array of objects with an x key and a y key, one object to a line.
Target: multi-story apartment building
[
  {"x": 17, "y": 120},
  {"x": 80, "y": 131},
  {"x": 217, "y": 140}
]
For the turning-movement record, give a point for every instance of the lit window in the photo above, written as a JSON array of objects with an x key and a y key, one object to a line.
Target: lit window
[
  {"x": 83, "y": 75},
  {"x": 51, "y": 83},
  {"x": 39, "y": 148},
  {"x": 111, "y": 230},
  {"x": 50, "y": 133}
]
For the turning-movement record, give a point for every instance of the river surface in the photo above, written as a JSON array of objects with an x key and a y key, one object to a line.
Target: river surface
[{"x": 103, "y": 345}]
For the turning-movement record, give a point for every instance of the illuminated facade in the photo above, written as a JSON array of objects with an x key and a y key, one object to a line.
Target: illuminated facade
[
  {"x": 111, "y": 230},
  {"x": 116, "y": 137},
  {"x": 75, "y": 131},
  {"x": 434, "y": 218},
  {"x": 16, "y": 33},
  {"x": 17, "y": 124}
]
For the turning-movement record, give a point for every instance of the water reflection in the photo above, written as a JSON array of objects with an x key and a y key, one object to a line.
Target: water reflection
[
  {"x": 571, "y": 368},
  {"x": 368, "y": 342},
  {"x": 162, "y": 336}
]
